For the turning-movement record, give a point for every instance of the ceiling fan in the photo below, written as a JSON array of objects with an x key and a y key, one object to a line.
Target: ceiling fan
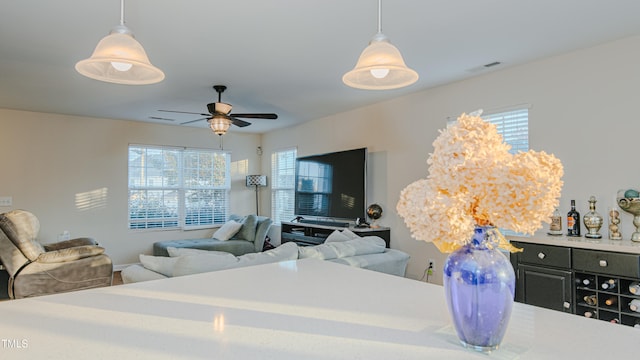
[{"x": 220, "y": 117}]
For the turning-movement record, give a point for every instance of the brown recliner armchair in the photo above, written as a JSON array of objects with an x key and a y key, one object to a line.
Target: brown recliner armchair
[{"x": 35, "y": 269}]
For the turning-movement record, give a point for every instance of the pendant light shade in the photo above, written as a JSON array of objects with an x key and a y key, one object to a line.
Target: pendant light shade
[
  {"x": 380, "y": 66},
  {"x": 119, "y": 58}
]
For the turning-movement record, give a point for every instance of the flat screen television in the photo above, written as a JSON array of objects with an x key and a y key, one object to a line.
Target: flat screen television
[{"x": 332, "y": 186}]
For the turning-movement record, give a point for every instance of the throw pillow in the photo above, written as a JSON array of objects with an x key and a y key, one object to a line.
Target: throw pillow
[
  {"x": 160, "y": 264},
  {"x": 336, "y": 236},
  {"x": 284, "y": 252},
  {"x": 336, "y": 250},
  {"x": 226, "y": 231},
  {"x": 218, "y": 260},
  {"x": 248, "y": 229},
  {"x": 350, "y": 234}
]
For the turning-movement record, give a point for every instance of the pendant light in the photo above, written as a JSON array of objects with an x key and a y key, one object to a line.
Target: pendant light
[
  {"x": 119, "y": 58},
  {"x": 380, "y": 66}
]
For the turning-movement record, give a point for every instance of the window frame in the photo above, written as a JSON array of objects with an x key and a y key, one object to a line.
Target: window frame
[
  {"x": 283, "y": 189},
  {"x": 180, "y": 186}
]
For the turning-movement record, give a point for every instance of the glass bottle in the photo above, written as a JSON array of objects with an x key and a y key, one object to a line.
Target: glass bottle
[
  {"x": 592, "y": 220},
  {"x": 573, "y": 221},
  {"x": 555, "y": 228}
]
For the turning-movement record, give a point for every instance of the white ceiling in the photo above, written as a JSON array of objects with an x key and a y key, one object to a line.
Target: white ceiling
[{"x": 282, "y": 56}]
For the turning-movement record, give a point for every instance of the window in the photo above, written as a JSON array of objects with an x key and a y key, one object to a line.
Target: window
[
  {"x": 283, "y": 174},
  {"x": 314, "y": 191},
  {"x": 177, "y": 187},
  {"x": 514, "y": 127}
]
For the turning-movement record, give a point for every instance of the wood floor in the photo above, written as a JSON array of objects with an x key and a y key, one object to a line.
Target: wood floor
[{"x": 117, "y": 278}]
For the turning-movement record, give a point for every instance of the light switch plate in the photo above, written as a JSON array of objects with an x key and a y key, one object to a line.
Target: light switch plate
[{"x": 6, "y": 201}]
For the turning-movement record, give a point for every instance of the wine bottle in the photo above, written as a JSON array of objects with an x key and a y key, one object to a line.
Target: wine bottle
[
  {"x": 634, "y": 288},
  {"x": 585, "y": 281},
  {"x": 614, "y": 321},
  {"x": 591, "y": 300},
  {"x": 555, "y": 228},
  {"x": 611, "y": 301},
  {"x": 573, "y": 221},
  {"x": 590, "y": 314},
  {"x": 634, "y": 305},
  {"x": 609, "y": 284}
]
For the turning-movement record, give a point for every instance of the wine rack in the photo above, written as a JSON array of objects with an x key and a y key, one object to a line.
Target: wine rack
[{"x": 607, "y": 303}]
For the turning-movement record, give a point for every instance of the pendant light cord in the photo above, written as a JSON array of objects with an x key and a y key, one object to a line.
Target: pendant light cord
[
  {"x": 121, "y": 12},
  {"x": 379, "y": 16}
]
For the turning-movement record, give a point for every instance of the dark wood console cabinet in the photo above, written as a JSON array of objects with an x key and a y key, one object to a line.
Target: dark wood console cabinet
[
  {"x": 305, "y": 234},
  {"x": 571, "y": 280},
  {"x": 543, "y": 276}
]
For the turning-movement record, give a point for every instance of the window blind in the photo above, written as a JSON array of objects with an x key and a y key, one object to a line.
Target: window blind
[
  {"x": 176, "y": 187},
  {"x": 283, "y": 171},
  {"x": 514, "y": 127}
]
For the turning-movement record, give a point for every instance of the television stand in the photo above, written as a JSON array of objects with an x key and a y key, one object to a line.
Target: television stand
[{"x": 306, "y": 233}]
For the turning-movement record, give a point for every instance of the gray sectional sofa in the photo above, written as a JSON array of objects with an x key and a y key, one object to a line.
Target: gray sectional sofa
[
  {"x": 249, "y": 239},
  {"x": 367, "y": 252}
]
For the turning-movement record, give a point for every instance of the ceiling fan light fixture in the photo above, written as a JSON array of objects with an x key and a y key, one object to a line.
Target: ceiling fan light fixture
[
  {"x": 119, "y": 58},
  {"x": 219, "y": 107},
  {"x": 219, "y": 124},
  {"x": 380, "y": 66}
]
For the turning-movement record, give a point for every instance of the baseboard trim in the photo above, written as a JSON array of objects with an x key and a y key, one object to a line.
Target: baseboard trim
[{"x": 123, "y": 266}]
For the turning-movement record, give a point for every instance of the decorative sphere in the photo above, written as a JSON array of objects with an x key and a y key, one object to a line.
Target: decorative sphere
[
  {"x": 630, "y": 194},
  {"x": 374, "y": 211}
]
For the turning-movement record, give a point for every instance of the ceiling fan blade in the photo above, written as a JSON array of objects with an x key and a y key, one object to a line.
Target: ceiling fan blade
[
  {"x": 192, "y": 121},
  {"x": 257, "y": 116},
  {"x": 238, "y": 122},
  {"x": 160, "y": 118},
  {"x": 184, "y": 112}
]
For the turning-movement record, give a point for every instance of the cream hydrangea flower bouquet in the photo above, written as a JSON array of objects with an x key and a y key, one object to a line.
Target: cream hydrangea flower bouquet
[{"x": 474, "y": 180}]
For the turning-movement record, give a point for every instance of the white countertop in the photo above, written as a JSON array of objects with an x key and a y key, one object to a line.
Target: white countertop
[
  {"x": 624, "y": 246},
  {"x": 308, "y": 309}
]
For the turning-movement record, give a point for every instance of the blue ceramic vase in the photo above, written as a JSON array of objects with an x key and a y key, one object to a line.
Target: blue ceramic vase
[{"x": 479, "y": 285}]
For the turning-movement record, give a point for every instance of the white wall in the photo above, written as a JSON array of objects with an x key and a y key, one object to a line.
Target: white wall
[
  {"x": 583, "y": 109},
  {"x": 72, "y": 173}
]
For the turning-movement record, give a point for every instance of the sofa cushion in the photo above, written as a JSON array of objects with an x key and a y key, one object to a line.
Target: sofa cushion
[
  {"x": 336, "y": 236},
  {"x": 360, "y": 246},
  {"x": 199, "y": 263},
  {"x": 175, "y": 252},
  {"x": 247, "y": 229},
  {"x": 350, "y": 234},
  {"x": 216, "y": 260},
  {"x": 160, "y": 264},
  {"x": 284, "y": 252},
  {"x": 226, "y": 231},
  {"x": 391, "y": 261},
  {"x": 136, "y": 273},
  {"x": 70, "y": 254}
]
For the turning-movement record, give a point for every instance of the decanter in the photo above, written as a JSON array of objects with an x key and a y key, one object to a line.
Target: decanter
[{"x": 592, "y": 220}]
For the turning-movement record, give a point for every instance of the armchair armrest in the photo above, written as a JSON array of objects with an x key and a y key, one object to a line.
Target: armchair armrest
[
  {"x": 70, "y": 254},
  {"x": 70, "y": 243}
]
